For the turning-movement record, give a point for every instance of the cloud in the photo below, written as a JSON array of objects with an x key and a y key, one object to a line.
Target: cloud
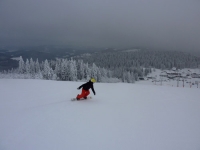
[{"x": 154, "y": 24}]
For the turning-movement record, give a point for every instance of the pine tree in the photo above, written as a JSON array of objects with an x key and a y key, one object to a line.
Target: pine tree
[
  {"x": 37, "y": 67},
  {"x": 80, "y": 70},
  {"x": 47, "y": 72},
  {"x": 32, "y": 67},
  {"x": 27, "y": 67},
  {"x": 58, "y": 69},
  {"x": 99, "y": 75},
  {"x": 94, "y": 71},
  {"x": 64, "y": 69},
  {"x": 124, "y": 77},
  {"x": 132, "y": 77},
  {"x": 128, "y": 77},
  {"x": 21, "y": 65},
  {"x": 104, "y": 72},
  {"x": 87, "y": 72},
  {"x": 72, "y": 70},
  {"x": 136, "y": 77}
]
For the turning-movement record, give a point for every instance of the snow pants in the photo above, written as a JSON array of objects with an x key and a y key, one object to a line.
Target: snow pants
[{"x": 84, "y": 93}]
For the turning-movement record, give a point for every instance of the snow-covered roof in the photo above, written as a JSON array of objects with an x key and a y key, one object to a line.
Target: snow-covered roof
[{"x": 174, "y": 68}]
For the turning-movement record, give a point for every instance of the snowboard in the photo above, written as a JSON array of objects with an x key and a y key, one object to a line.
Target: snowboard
[{"x": 74, "y": 99}]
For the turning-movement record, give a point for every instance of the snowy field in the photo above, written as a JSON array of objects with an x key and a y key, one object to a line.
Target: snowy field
[{"x": 38, "y": 115}]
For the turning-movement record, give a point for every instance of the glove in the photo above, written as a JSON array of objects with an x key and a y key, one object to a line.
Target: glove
[
  {"x": 94, "y": 93},
  {"x": 78, "y": 88}
]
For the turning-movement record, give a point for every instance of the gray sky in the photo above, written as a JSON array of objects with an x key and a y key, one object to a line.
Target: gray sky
[{"x": 151, "y": 24}]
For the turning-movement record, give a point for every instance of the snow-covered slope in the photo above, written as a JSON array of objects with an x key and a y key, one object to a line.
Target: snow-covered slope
[{"x": 38, "y": 115}]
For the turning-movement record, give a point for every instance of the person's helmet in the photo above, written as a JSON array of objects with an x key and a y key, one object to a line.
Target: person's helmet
[{"x": 93, "y": 80}]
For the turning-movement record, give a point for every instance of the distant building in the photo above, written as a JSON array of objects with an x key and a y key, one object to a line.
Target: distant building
[
  {"x": 184, "y": 75},
  {"x": 141, "y": 78},
  {"x": 170, "y": 74},
  {"x": 163, "y": 74},
  {"x": 174, "y": 69},
  {"x": 195, "y": 75},
  {"x": 150, "y": 77}
]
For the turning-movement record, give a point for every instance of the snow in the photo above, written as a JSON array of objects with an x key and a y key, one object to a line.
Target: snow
[
  {"x": 16, "y": 58},
  {"x": 131, "y": 50},
  {"x": 39, "y": 115}
]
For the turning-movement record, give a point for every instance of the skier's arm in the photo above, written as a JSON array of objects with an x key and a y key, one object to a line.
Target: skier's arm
[
  {"x": 93, "y": 90},
  {"x": 80, "y": 87}
]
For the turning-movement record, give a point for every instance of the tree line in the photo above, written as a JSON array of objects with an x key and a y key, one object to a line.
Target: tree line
[
  {"x": 103, "y": 66},
  {"x": 65, "y": 70},
  {"x": 134, "y": 62}
]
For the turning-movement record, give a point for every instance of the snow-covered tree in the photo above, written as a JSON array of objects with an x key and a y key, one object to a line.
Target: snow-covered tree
[
  {"x": 21, "y": 65},
  {"x": 37, "y": 67},
  {"x": 27, "y": 67},
  {"x": 99, "y": 75},
  {"x": 87, "y": 71},
  {"x": 47, "y": 72},
  {"x": 58, "y": 69},
  {"x": 32, "y": 67},
  {"x": 103, "y": 72},
  {"x": 94, "y": 71},
  {"x": 80, "y": 69},
  {"x": 72, "y": 70}
]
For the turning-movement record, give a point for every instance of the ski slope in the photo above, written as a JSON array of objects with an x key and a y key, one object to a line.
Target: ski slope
[{"x": 38, "y": 115}]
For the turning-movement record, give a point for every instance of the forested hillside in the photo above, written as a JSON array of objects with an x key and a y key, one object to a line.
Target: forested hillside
[
  {"x": 143, "y": 58},
  {"x": 125, "y": 66},
  {"x": 134, "y": 61}
]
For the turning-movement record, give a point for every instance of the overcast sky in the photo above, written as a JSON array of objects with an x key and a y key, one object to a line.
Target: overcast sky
[{"x": 150, "y": 24}]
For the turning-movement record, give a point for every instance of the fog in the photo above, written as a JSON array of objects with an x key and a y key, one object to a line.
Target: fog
[{"x": 150, "y": 24}]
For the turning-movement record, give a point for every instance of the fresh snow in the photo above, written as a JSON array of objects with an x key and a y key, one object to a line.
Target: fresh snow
[{"x": 39, "y": 115}]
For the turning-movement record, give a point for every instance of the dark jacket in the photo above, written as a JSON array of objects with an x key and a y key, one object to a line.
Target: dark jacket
[{"x": 87, "y": 86}]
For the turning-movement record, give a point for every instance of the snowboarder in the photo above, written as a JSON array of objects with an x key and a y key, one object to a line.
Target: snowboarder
[{"x": 85, "y": 89}]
